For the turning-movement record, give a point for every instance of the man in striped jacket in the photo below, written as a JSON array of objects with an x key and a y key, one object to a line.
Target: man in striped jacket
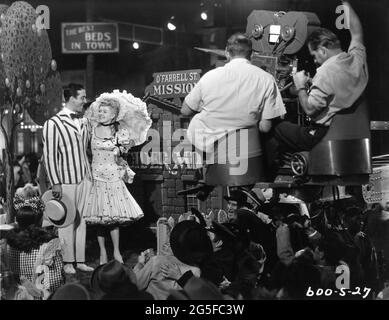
[{"x": 65, "y": 140}]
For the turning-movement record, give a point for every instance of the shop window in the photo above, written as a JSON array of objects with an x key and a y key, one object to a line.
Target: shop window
[{"x": 191, "y": 202}]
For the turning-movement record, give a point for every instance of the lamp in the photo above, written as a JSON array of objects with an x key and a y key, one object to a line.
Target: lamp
[
  {"x": 203, "y": 12},
  {"x": 171, "y": 24}
]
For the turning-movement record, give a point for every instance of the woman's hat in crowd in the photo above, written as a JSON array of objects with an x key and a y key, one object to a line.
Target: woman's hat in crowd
[
  {"x": 190, "y": 243},
  {"x": 28, "y": 191},
  {"x": 60, "y": 213},
  {"x": 197, "y": 289},
  {"x": 112, "y": 276}
]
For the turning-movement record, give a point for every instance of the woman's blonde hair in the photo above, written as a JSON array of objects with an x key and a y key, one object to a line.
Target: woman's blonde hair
[{"x": 110, "y": 103}]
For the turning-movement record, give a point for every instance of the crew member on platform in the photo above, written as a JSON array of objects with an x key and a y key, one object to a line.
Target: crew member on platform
[
  {"x": 236, "y": 96},
  {"x": 339, "y": 82},
  {"x": 65, "y": 139}
]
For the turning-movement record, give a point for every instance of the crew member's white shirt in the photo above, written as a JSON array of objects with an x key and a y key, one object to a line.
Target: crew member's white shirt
[{"x": 235, "y": 96}]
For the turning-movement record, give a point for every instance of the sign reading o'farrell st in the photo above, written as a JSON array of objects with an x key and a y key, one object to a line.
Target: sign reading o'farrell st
[
  {"x": 90, "y": 37},
  {"x": 173, "y": 84}
]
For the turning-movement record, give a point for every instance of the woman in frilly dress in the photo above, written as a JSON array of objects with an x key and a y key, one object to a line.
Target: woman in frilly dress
[{"x": 118, "y": 121}]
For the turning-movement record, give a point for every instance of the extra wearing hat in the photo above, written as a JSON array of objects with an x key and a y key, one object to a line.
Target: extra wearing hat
[
  {"x": 197, "y": 289},
  {"x": 222, "y": 231},
  {"x": 112, "y": 276},
  {"x": 190, "y": 243},
  {"x": 238, "y": 196},
  {"x": 70, "y": 291},
  {"x": 60, "y": 213}
]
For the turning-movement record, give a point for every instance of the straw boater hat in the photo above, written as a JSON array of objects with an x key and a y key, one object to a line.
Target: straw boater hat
[{"x": 60, "y": 213}]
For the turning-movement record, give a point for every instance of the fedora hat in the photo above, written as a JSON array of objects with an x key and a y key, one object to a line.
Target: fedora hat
[
  {"x": 190, "y": 243},
  {"x": 60, "y": 213},
  {"x": 112, "y": 276}
]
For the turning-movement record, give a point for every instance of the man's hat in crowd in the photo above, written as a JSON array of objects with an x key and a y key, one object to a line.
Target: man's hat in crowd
[
  {"x": 111, "y": 276},
  {"x": 60, "y": 213},
  {"x": 222, "y": 231},
  {"x": 190, "y": 243},
  {"x": 238, "y": 196},
  {"x": 197, "y": 289},
  {"x": 70, "y": 291}
]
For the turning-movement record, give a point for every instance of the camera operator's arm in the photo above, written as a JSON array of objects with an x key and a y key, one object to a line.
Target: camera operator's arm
[
  {"x": 352, "y": 20},
  {"x": 300, "y": 80}
]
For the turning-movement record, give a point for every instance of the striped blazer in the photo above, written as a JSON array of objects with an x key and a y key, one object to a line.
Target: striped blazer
[{"x": 64, "y": 149}]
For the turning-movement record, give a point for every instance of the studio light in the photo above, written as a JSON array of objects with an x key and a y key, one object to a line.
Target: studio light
[{"x": 170, "y": 25}]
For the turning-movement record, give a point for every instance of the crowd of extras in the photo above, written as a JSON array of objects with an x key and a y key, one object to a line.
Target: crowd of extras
[{"x": 285, "y": 256}]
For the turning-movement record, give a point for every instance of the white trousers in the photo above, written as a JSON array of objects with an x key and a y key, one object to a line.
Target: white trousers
[{"x": 74, "y": 235}]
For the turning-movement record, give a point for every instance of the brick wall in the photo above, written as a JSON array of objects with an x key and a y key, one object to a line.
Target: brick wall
[{"x": 171, "y": 180}]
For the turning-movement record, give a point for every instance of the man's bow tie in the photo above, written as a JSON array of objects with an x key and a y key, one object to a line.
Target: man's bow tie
[{"x": 75, "y": 115}]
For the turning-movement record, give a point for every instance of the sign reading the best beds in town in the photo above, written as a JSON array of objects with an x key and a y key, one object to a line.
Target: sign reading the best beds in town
[
  {"x": 173, "y": 84},
  {"x": 93, "y": 37}
]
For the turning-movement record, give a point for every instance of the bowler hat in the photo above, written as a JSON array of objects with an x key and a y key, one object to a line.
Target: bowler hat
[{"x": 190, "y": 243}]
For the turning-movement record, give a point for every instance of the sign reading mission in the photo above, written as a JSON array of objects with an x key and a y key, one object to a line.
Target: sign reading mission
[
  {"x": 93, "y": 37},
  {"x": 173, "y": 84}
]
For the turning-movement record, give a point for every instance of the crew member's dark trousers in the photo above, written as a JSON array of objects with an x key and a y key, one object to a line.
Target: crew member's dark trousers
[
  {"x": 294, "y": 138},
  {"x": 288, "y": 137}
]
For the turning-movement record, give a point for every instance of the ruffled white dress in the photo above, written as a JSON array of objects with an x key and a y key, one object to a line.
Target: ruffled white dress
[{"x": 106, "y": 200}]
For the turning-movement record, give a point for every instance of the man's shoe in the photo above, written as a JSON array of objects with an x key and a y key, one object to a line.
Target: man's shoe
[
  {"x": 84, "y": 267},
  {"x": 69, "y": 269}
]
